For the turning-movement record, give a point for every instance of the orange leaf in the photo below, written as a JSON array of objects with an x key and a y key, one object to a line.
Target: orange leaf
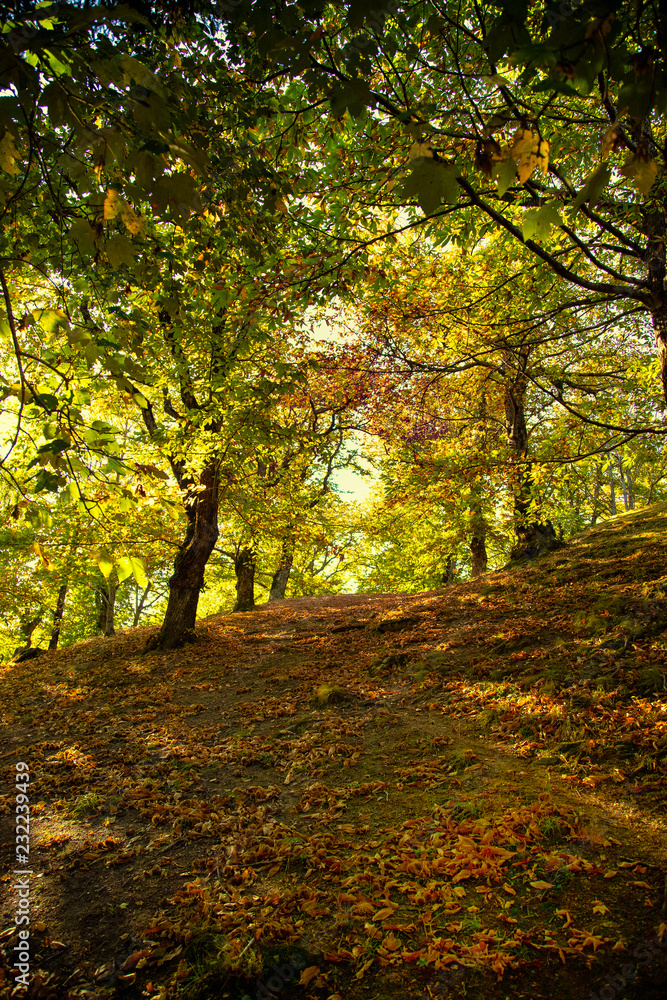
[
  {"x": 363, "y": 908},
  {"x": 307, "y": 976},
  {"x": 542, "y": 885},
  {"x": 391, "y": 943}
]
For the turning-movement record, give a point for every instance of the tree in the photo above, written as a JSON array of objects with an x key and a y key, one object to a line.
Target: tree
[
  {"x": 542, "y": 122},
  {"x": 149, "y": 172},
  {"x": 278, "y": 488},
  {"x": 504, "y": 398}
]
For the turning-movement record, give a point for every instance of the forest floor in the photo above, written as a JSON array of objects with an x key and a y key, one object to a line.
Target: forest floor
[{"x": 460, "y": 793}]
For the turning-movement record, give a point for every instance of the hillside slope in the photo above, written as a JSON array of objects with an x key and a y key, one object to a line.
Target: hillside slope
[{"x": 453, "y": 793}]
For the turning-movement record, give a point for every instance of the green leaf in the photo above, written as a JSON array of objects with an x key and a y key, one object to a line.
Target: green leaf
[
  {"x": 83, "y": 234},
  {"x": 537, "y": 222},
  {"x": 119, "y": 250},
  {"x": 594, "y": 186},
  {"x": 46, "y": 400},
  {"x": 50, "y": 320},
  {"x": 105, "y": 563},
  {"x": 636, "y": 98},
  {"x": 139, "y": 571},
  {"x": 353, "y": 96},
  {"x": 123, "y": 568},
  {"x": 430, "y": 183},
  {"x": 113, "y": 465},
  {"x": 48, "y": 481},
  {"x": 505, "y": 173},
  {"x": 54, "y": 447}
]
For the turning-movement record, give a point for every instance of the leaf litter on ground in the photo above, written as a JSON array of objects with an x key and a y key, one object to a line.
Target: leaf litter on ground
[{"x": 459, "y": 792}]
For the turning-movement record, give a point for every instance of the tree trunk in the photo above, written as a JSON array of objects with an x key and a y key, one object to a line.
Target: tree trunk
[
  {"x": 105, "y": 594},
  {"x": 28, "y": 626},
  {"x": 478, "y": 533},
  {"x": 449, "y": 574},
  {"x": 244, "y": 566},
  {"x": 201, "y": 514},
  {"x": 58, "y": 616},
  {"x": 655, "y": 260},
  {"x": 478, "y": 553},
  {"x": 281, "y": 575},
  {"x": 612, "y": 491},
  {"x": 624, "y": 489},
  {"x": 532, "y": 537},
  {"x": 111, "y": 609},
  {"x": 100, "y": 608},
  {"x": 140, "y": 604},
  {"x": 596, "y": 496}
]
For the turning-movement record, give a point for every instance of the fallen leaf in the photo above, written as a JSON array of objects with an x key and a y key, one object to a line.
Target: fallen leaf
[{"x": 309, "y": 974}]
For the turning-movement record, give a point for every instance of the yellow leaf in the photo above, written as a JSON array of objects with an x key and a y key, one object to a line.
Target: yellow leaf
[
  {"x": 115, "y": 205},
  {"x": 43, "y": 558},
  {"x": 611, "y": 139},
  {"x": 8, "y": 154},
  {"x": 530, "y": 152},
  {"x": 542, "y": 885},
  {"x": 610, "y": 874},
  {"x": 522, "y": 142},
  {"x": 364, "y": 968},
  {"x": 384, "y": 913},
  {"x": 105, "y": 563},
  {"x": 307, "y": 976},
  {"x": 509, "y": 889},
  {"x": 391, "y": 943},
  {"x": 599, "y": 907},
  {"x": 420, "y": 149},
  {"x": 363, "y": 908},
  {"x": 641, "y": 171}
]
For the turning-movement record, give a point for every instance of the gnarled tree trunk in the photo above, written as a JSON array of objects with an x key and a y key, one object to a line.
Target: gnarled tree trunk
[
  {"x": 281, "y": 575},
  {"x": 201, "y": 513},
  {"x": 478, "y": 553},
  {"x": 244, "y": 566},
  {"x": 28, "y": 626}
]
